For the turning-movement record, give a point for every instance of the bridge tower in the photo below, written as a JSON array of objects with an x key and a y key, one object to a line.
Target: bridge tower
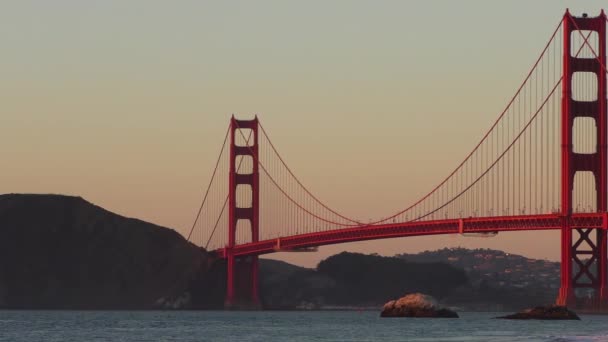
[
  {"x": 583, "y": 251},
  {"x": 242, "y": 272}
]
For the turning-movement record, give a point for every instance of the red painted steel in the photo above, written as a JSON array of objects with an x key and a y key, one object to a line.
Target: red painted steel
[
  {"x": 247, "y": 266},
  {"x": 396, "y": 230},
  {"x": 577, "y": 247},
  {"x": 602, "y": 184}
]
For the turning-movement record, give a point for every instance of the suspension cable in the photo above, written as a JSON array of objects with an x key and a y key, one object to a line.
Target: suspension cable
[
  {"x": 227, "y": 196},
  {"x": 217, "y": 163},
  {"x": 484, "y": 137},
  {"x": 300, "y": 183},
  {"x": 261, "y": 165},
  {"x": 501, "y": 155}
]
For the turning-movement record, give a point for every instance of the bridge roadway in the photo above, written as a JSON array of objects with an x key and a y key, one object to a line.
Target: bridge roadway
[{"x": 431, "y": 227}]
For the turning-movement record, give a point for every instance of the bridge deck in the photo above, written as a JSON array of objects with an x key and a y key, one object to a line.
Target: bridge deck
[{"x": 395, "y": 230}]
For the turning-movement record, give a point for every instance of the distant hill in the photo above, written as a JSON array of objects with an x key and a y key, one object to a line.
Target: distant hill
[
  {"x": 64, "y": 252},
  {"x": 355, "y": 280},
  {"x": 471, "y": 279},
  {"x": 498, "y": 278},
  {"x": 496, "y": 268}
]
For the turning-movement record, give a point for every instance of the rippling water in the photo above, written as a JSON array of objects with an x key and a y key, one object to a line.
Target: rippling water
[{"x": 284, "y": 326}]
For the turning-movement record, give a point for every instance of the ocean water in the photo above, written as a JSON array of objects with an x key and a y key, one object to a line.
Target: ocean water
[{"x": 118, "y": 326}]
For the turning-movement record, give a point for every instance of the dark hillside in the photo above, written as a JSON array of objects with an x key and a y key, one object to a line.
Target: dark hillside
[
  {"x": 372, "y": 279},
  {"x": 353, "y": 280},
  {"x": 64, "y": 252}
]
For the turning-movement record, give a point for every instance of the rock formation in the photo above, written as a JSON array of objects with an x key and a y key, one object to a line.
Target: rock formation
[
  {"x": 416, "y": 305},
  {"x": 544, "y": 312}
]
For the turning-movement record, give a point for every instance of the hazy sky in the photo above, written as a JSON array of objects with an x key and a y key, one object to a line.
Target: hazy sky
[{"x": 125, "y": 103}]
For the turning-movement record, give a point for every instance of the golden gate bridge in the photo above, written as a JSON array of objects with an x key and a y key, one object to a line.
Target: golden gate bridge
[{"x": 541, "y": 165}]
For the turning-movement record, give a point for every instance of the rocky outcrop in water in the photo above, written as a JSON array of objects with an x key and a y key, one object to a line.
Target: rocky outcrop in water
[
  {"x": 552, "y": 312},
  {"x": 416, "y": 305}
]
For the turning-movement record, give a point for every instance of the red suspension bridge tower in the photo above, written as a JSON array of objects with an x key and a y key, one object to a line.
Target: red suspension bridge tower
[
  {"x": 583, "y": 258},
  {"x": 242, "y": 273}
]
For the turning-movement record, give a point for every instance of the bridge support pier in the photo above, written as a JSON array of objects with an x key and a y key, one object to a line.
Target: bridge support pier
[
  {"x": 584, "y": 267},
  {"x": 583, "y": 251},
  {"x": 242, "y": 273},
  {"x": 242, "y": 283}
]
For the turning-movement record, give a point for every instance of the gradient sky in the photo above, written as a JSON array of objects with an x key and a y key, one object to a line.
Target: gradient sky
[{"x": 125, "y": 103}]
